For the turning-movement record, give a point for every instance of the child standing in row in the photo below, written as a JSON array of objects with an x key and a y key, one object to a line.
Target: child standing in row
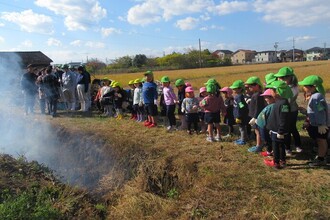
[
  {"x": 240, "y": 110},
  {"x": 287, "y": 75},
  {"x": 138, "y": 100},
  {"x": 317, "y": 110},
  {"x": 278, "y": 123},
  {"x": 201, "y": 113},
  {"x": 229, "y": 119},
  {"x": 262, "y": 120},
  {"x": 170, "y": 102},
  {"x": 150, "y": 96},
  {"x": 190, "y": 108},
  {"x": 256, "y": 105},
  {"x": 212, "y": 106}
]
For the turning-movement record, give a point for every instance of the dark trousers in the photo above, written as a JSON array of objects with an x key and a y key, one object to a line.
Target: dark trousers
[
  {"x": 293, "y": 130},
  {"x": 170, "y": 109},
  {"x": 278, "y": 148},
  {"x": 192, "y": 119},
  {"x": 52, "y": 105}
]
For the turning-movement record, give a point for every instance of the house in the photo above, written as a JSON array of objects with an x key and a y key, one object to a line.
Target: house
[
  {"x": 266, "y": 57},
  {"x": 23, "y": 58},
  {"x": 222, "y": 54},
  {"x": 317, "y": 53},
  {"x": 294, "y": 55},
  {"x": 243, "y": 56}
]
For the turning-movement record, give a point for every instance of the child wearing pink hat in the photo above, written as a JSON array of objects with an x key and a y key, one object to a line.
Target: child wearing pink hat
[
  {"x": 190, "y": 108},
  {"x": 229, "y": 119},
  {"x": 262, "y": 121},
  {"x": 201, "y": 112}
]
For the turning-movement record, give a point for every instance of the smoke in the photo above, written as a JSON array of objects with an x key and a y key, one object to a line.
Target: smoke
[
  {"x": 75, "y": 161},
  {"x": 19, "y": 135}
]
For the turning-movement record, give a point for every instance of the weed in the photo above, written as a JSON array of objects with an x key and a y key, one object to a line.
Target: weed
[{"x": 173, "y": 193}]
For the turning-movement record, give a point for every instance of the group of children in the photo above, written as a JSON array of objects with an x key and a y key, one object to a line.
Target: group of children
[{"x": 270, "y": 109}]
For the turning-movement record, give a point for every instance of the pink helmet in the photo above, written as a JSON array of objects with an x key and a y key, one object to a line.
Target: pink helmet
[
  {"x": 189, "y": 89},
  {"x": 188, "y": 84},
  {"x": 267, "y": 92},
  {"x": 227, "y": 89},
  {"x": 202, "y": 89}
]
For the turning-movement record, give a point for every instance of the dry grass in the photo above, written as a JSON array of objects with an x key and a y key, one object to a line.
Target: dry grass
[
  {"x": 227, "y": 75},
  {"x": 160, "y": 175},
  {"x": 179, "y": 176}
]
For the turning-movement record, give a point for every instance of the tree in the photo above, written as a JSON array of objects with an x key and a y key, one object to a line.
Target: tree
[
  {"x": 139, "y": 60},
  {"x": 94, "y": 65}
]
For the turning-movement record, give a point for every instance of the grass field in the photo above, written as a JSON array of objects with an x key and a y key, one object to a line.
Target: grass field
[
  {"x": 160, "y": 175},
  {"x": 177, "y": 176},
  {"x": 227, "y": 75}
]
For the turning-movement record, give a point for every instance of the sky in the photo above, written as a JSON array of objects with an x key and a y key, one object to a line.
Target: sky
[{"x": 80, "y": 30}]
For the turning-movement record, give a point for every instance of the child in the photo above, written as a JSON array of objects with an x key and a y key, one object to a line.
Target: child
[
  {"x": 240, "y": 110},
  {"x": 137, "y": 100},
  {"x": 150, "y": 96},
  {"x": 262, "y": 120},
  {"x": 287, "y": 75},
  {"x": 130, "y": 94},
  {"x": 317, "y": 116},
  {"x": 181, "y": 86},
  {"x": 190, "y": 108},
  {"x": 170, "y": 102},
  {"x": 229, "y": 119},
  {"x": 201, "y": 113},
  {"x": 212, "y": 105},
  {"x": 118, "y": 98},
  {"x": 278, "y": 123},
  {"x": 106, "y": 99},
  {"x": 256, "y": 105}
]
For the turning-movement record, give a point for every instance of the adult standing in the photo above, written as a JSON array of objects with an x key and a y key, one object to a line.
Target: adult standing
[
  {"x": 83, "y": 90},
  {"x": 51, "y": 88},
  {"x": 69, "y": 87},
  {"x": 29, "y": 89}
]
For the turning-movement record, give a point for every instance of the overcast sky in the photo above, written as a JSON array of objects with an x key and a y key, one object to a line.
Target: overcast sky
[{"x": 74, "y": 30}]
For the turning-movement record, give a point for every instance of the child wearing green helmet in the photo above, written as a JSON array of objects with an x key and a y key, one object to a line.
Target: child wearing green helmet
[
  {"x": 279, "y": 122},
  {"x": 317, "y": 114},
  {"x": 240, "y": 110},
  {"x": 256, "y": 105},
  {"x": 212, "y": 106},
  {"x": 181, "y": 86},
  {"x": 170, "y": 100},
  {"x": 138, "y": 100},
  {"x": 287, "y": 75}
]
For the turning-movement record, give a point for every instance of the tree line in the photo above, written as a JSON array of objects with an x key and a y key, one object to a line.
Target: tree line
[{"x": 140, "y": 62}]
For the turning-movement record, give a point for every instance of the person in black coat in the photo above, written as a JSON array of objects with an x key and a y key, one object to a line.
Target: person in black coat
[{"x": 29, "y": 89}]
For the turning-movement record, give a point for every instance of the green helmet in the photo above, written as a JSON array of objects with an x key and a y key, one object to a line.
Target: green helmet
[
  {"x": 253, "y": 80},
  {"x": 179, "y": 82},
  {"x": 210, "y": 81},
  {"x": 137, "y": 81},
  {"x": 211, "y": 88},
  {"x": 238, "y": 84},
  {"x": 284, "y": 71},
  {"x": 165, "y": 79}
]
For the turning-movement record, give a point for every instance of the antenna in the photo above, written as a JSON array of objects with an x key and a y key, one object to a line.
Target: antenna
[
  {"x": 293, "y": 50},
  {"x": 276, "y": 46}
]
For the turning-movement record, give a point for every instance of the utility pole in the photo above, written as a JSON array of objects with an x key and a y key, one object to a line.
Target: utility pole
[
  {"x": 276, "y": 46},
  {"x": 293, "y": 51},
  {"x": 200, "y": 53}
]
